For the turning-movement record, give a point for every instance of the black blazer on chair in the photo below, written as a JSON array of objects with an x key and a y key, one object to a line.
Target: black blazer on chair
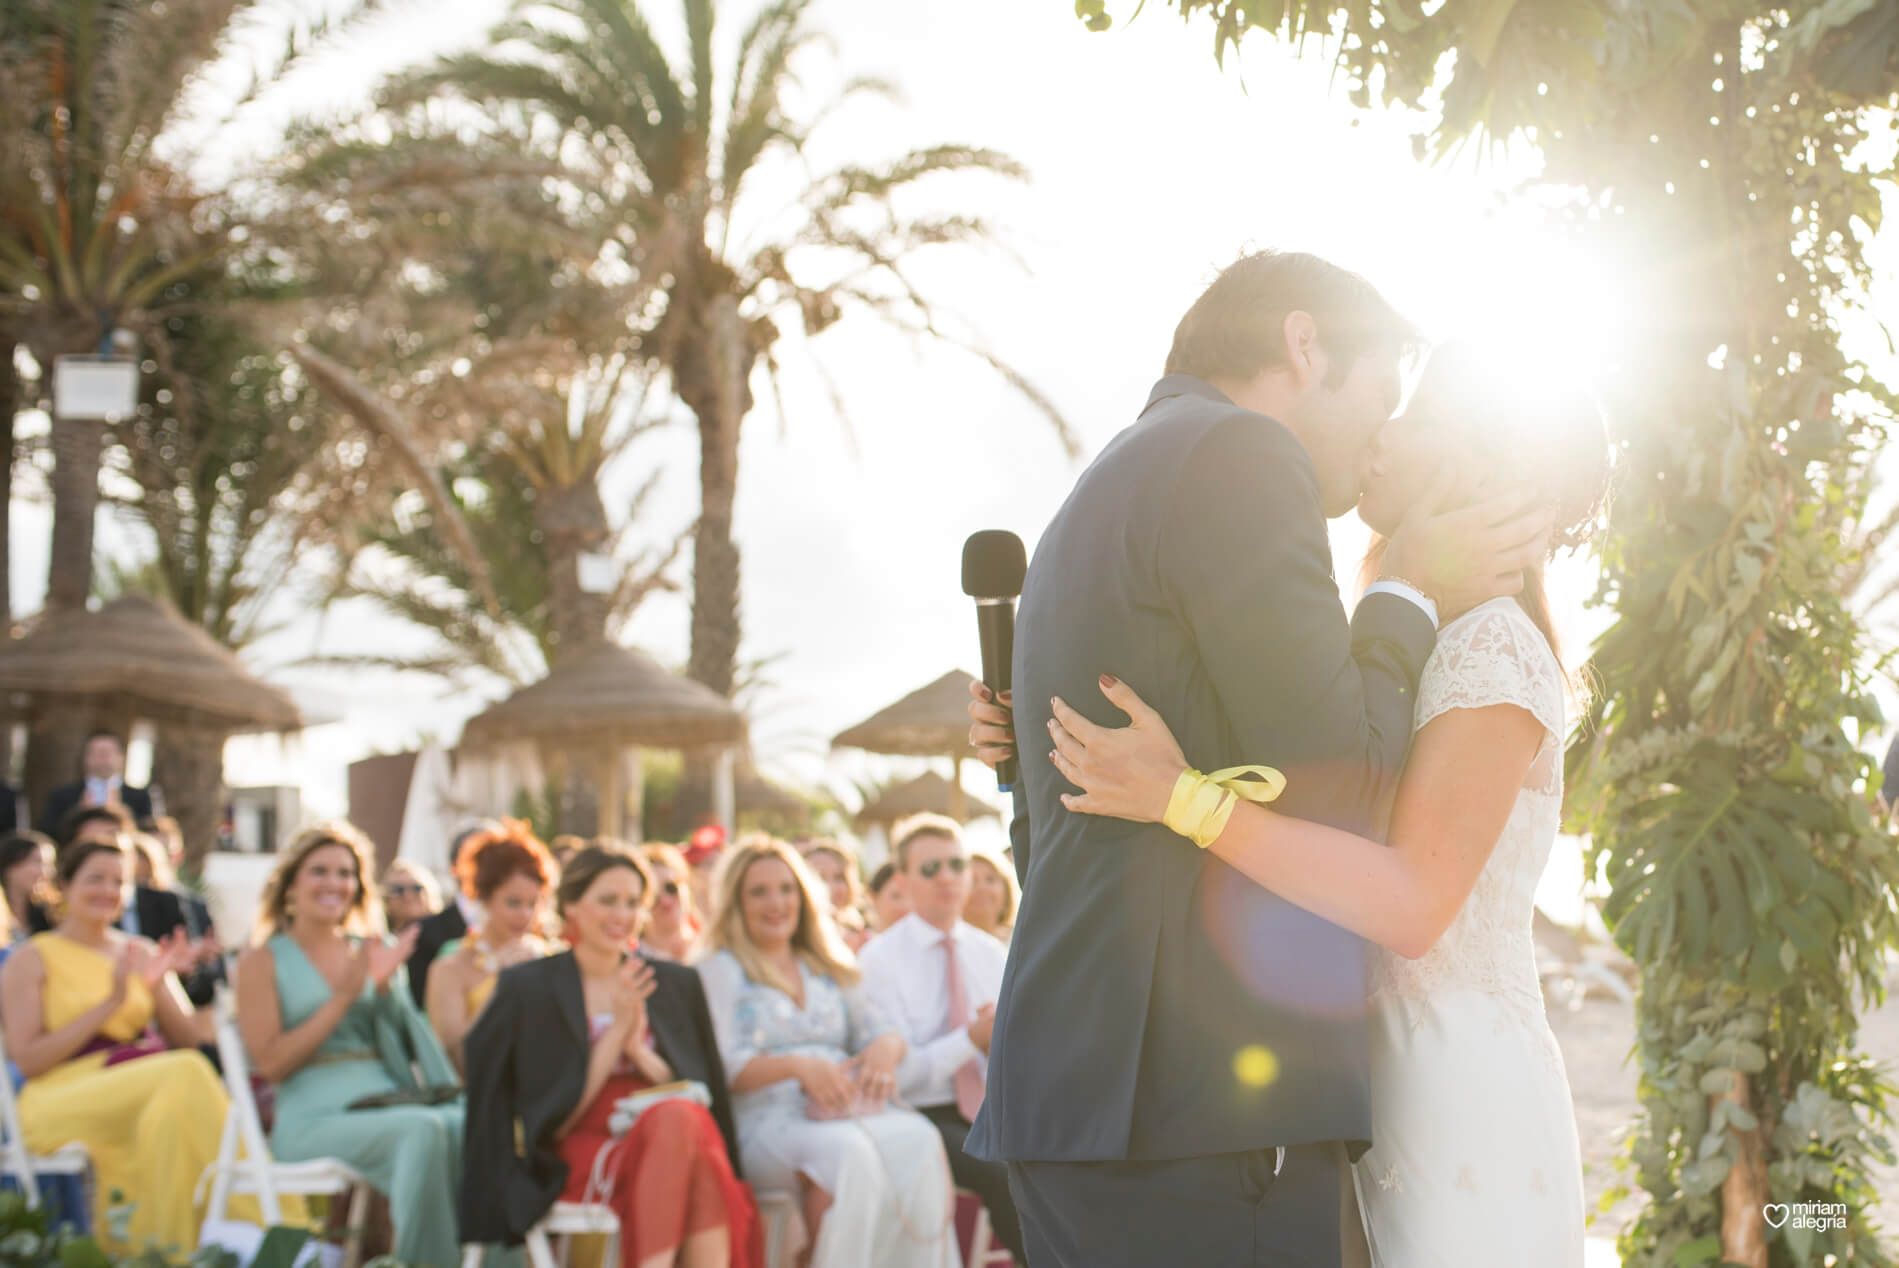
[
  {"x": 526, "y": 1060},
  {"x": 1191, "y": 562}
]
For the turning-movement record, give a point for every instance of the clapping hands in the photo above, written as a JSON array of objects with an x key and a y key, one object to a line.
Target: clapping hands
[
  {"x": 375, "y": 962},
  {"x": 174, "y": 953},
  {"x": 631, "y": 989},
  {"x": 382, "y": 959}
]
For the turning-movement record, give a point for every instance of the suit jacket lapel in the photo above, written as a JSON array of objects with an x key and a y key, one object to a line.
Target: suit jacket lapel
[
  {"x": 672, "y": 1033},
  {"x": 569, "y": 995}
]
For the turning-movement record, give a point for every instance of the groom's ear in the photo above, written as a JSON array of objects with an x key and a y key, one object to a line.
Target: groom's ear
[{"x": 1302, "y": 353}]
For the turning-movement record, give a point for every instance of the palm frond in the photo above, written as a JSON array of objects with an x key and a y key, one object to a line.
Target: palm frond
[
  {"x": 763, "y": 72},
  {"x": 382, "y": 421},
  {"x": 699, "y": 20}
]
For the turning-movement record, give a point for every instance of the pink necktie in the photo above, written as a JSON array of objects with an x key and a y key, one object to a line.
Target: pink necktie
[{"x": 968, "y": 1077}]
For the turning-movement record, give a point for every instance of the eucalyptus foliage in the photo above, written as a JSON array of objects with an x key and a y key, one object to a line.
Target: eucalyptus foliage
[{"x": 1729, "y": 158}]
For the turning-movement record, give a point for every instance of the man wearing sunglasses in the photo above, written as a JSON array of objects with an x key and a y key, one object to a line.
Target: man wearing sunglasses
[{"x": 936, "y": 979}]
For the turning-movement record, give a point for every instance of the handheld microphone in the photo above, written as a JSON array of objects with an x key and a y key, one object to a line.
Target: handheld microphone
[{"x": 994, "y": 564}]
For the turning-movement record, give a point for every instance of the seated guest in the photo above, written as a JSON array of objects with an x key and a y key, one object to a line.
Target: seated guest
[
  {"x": 171, "y": 839},
  {"x": 937, "y": 978},
  {"x": 326, "y": 1016},
  {"x": 813, "y": 1067},
  {"x": 506, "y": 872},
  {"x": 101, "y": 783},
  {"x": 78, "y": 1005},
  {"x": 152, "y": 913},
  {"x": 446, "y": 925},
  {"x": 563, "y": 1042},
  {"x": 837, "y": 868},
  {"x": 673, "y": 924},
  {"x": 409, "y": 895},
  {"x": 993, "y": 895},
  {"x": 152, "y": 870},
  {"x": 565, "y": 846},
  {"x": 26, "y": 871},
  {"x": 888, "y": 901},
  {"x": 63, "y": 1195}
]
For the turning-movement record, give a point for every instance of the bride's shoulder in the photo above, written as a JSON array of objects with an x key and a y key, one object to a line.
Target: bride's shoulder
[
  {"x": 1499, "y": 622},
  {"x": 1497, "y": 637}
]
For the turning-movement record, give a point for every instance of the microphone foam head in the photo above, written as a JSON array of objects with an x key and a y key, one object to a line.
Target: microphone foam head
[{"x": 994, "y": 564}]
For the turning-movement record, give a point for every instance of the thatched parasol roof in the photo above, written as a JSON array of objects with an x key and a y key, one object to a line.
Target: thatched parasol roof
[
  {"x": 615, "y": 695},
  {"x": 147, "y": 660},
  {"x": 932, "y": 721},
  {"x": 929, "y": 793}
]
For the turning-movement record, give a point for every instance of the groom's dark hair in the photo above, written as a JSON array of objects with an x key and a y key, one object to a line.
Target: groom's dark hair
[{"x": 1234, "y": 330}]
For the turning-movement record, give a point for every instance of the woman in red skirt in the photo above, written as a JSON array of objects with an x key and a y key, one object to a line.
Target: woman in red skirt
[{"x": 563, "y": 1044}]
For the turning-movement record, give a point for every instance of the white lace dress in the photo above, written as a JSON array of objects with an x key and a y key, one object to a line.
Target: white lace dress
[{"x": 1474, "y": 1161}]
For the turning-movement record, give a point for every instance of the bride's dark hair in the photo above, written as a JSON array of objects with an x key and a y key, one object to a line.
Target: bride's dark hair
[{"x": 1546, "y": 430}]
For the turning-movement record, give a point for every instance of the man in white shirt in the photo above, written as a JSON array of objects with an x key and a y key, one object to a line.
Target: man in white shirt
[{"x": 936, "y": 978}]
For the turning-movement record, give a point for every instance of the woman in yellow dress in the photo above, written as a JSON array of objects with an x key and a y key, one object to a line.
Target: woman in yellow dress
[
  {"x": 508, "y": 872},
  {"x": 78, "y": 1004}
]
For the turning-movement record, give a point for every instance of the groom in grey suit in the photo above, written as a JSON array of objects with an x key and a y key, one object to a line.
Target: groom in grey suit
[{"x": 1179, "y": 1059}]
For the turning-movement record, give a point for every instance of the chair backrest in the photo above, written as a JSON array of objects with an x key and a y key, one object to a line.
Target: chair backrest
[
  {"x": 243, "y": 1128},
  {"x": 14, "y": 1159}
]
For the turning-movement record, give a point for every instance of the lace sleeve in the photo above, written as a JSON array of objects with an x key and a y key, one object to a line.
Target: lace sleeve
[{"x": 1494, "y": 654}]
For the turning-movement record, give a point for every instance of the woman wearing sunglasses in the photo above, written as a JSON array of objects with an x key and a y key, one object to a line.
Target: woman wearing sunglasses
[{"x": 409, "y": 895}]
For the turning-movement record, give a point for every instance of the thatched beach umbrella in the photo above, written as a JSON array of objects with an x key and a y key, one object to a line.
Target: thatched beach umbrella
[
  {"x": 605, "y": 700},
  {"x": 932, "y": 721},
  {"x": 136, "y": 658},
  {"x": 928, "y": 793}
]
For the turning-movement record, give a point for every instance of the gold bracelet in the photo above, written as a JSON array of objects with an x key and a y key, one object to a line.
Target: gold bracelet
[{"x": 1202, "y": 804}]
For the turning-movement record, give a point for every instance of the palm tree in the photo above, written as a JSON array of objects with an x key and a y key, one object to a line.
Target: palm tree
[
  {"x": 93, "y": 225},
  {"x": 495, "y": 353},
  {"x": 529, "y": 538},
  {"x": 663, "y": 150},
  {"x": 229, "y": 467}
]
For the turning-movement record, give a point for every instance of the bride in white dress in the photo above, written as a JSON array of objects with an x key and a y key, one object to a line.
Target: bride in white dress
[{"x": 1474, "y": 1160}]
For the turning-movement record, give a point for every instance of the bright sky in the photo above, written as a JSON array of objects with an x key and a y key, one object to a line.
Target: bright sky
[{"x": 1151, "y": 170}]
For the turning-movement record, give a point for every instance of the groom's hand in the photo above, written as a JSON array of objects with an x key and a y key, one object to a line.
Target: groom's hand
[
  {"x": 991, "y": 725},
  {"x": 1464, "y": 557}
]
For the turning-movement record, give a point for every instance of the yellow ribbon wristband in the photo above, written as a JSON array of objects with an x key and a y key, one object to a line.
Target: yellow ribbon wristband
[{"x": 1202, "y": 804}]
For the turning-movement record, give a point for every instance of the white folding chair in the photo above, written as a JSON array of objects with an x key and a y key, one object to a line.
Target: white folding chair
[
  {"x": 15, "y": 1161},
  {"x": 779, "y": 1212},
  {"x": 254, "y": 1172},
  {"x": 565, "y": 1220}
]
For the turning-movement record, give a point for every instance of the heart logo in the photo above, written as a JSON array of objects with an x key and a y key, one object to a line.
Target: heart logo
[{"x": 1776, "y": 1213}]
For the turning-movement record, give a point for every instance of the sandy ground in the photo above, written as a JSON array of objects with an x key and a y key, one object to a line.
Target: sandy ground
[{"x": 1597, "y": 1042}]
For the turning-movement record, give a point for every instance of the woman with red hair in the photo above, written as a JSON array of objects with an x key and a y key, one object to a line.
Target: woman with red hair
[{"x": 507, "y": 871}]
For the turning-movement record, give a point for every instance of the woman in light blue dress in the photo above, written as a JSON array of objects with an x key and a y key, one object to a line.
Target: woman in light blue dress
[
  {"x": 326, "y": 1015},
  {"x": 812, "y": 1068}
]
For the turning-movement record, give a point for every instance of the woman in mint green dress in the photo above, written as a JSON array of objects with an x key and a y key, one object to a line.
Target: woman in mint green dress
[{"x": 326, "y": 1015}]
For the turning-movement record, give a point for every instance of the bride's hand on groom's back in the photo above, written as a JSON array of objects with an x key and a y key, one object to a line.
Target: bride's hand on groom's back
[
  {"x": 1473, "y": 553},
  {"x": 991, "y": 725},
  {"x": 1124, "y": 772}
]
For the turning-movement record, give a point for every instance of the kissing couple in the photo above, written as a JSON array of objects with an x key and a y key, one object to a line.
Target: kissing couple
[{"x": 1290, "y": 1015}]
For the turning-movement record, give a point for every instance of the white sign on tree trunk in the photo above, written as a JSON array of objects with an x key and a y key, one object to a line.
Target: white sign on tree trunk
[{"x": 104, "y": 389}]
